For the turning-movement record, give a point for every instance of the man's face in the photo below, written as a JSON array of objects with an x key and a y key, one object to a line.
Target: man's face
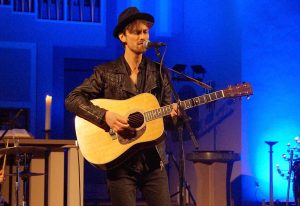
[{"x": 134, "y": 37}]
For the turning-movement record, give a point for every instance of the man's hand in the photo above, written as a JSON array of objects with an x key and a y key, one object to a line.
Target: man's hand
[
  {"x": 116, "y": 122},
  {"x": 175, "y": 111}
]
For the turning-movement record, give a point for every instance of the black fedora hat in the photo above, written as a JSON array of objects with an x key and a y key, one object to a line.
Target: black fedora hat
[{"x": 129, "y": 15}]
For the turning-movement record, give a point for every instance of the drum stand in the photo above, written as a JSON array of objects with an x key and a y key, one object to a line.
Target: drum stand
[
  {"x": 18, "y": 160},
  {"x": 24, "y": 175}
]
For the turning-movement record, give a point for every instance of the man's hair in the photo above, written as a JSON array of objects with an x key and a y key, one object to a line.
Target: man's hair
[{"x": 132, "y": 26}]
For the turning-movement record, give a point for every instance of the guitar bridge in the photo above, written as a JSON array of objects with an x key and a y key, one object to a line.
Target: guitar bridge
[
  {"x": 129, "y": 136},
  {"x": 113, "y": 134}
]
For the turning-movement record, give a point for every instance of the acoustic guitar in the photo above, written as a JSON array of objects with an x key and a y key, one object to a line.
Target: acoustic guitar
[{"x": 106, "y": 149}]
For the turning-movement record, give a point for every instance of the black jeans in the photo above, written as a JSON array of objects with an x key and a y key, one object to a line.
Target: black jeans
[{"x": 153, "y": 184}]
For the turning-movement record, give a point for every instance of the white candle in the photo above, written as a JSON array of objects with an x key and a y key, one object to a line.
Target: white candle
[{"x": 48, "y": 113}]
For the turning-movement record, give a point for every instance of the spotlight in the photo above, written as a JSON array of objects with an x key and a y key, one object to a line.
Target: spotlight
[
  {"x": 198, "y": 69},
  {"x": 179, "y": 67}
]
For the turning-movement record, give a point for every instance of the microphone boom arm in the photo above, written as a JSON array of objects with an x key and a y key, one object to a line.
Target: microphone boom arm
[{"x": 202, "y": 84}]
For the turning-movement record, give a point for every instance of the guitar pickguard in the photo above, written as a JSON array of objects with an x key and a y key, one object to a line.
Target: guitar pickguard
[{"x": 129, "y": 136}]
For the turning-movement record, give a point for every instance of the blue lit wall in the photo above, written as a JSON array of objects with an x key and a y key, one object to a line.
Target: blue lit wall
[
  {"x": 45, "y": 36},
  {"x": 270, "y": 60}
]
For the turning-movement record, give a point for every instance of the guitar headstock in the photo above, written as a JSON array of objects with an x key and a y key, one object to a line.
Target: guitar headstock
[{"x": 239, "y": 90}]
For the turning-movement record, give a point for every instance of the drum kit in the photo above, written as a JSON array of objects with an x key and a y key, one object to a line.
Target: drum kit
[{"x": 22, "y": 155}]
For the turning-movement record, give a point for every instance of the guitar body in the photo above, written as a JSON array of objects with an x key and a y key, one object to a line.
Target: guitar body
[{"x": 106, "y": 150}]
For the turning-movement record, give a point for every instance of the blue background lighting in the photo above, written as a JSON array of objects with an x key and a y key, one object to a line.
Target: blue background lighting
[{"x": 235, "y": 41}]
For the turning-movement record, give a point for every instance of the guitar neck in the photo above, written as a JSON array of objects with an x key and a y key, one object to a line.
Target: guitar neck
[{"x": 186, "y": 104}]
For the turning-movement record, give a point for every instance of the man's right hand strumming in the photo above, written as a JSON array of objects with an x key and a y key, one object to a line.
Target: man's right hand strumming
[{"x": 116, "y": 122}]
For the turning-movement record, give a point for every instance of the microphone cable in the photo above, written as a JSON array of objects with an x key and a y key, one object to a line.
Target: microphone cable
[{"x": 160, "y": 70}]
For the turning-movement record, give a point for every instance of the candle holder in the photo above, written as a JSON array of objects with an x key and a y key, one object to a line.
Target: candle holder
[{"x": 47, "y": 133}]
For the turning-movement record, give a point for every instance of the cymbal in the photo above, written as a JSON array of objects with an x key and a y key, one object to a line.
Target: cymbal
[
  {"x": 26, "y": 174},
  {"x": 22, "y": 150}
]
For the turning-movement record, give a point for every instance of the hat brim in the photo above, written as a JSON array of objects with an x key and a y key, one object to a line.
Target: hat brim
[{"x": 138, "y": 16}]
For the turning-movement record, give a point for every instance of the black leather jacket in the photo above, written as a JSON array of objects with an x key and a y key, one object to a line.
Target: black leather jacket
[{"x": 111, "y": 81}]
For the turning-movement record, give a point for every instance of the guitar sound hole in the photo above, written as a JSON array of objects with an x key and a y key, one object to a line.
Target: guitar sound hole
[{"x": 135, "y": 120}]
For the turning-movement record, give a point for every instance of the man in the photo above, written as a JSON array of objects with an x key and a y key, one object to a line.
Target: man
[{"x": 129, "y": 75}]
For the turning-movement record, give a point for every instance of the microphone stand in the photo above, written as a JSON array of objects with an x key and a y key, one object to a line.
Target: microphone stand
[
  {"x": 183, "y": 119},
  {"x": 202, "y": 84}
]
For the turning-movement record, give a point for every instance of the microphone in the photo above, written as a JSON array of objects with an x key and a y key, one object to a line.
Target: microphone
[{"x": 149, "y": 44}]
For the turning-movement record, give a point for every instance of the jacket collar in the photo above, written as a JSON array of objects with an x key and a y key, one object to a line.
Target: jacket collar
[{"x": 119, "y": 67}]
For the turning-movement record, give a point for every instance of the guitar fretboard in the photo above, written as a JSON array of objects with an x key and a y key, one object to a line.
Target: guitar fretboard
[{"x": 186, "y": 104}]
